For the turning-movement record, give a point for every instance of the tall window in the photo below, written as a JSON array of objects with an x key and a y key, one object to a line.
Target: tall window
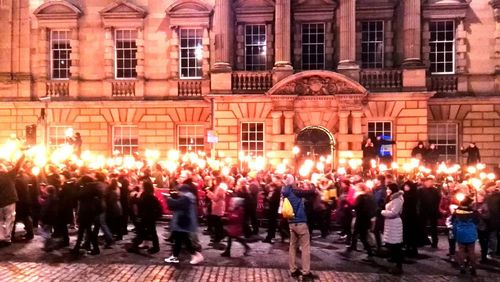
[
  {"x": 57, "y": 135},
  {"x": 313, "y": 46},
  {"x": 125, "y": 139},
  {"x": 442, "y": 44},
  {"x": 191, "y": 138},
  {"x": 125, "y": 53},
  {"x": 255, "y": 47},
  {"x": 445, "y": 136},
  {"x": 191, "y": 52},
  {"x": 384, "y": 130},
  {"x": 372, "y": 44},
  {"x": 252, "y": 138},
  {"x": 60, "y": 49}
]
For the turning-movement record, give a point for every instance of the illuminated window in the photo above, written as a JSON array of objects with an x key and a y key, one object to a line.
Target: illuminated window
[
  {"x": 255, "y": 47},
  {"x": 57, "y": 135},
  {"x": 445, "y": 136},
  {"x": 442, "y": 43},
  {"x": 191, "y": 138},
  {"x": 313, "y": 46},
  {"x": 125, "y": 139},
  {"x": 125, "y": 53},
  {"x": 191, "y": 52},
  {"x": 60, "y": 50},
  {"x": 252, "y": 138},
  {"x": 384, "y": 130},
  {"x": 372, "y": 44}
]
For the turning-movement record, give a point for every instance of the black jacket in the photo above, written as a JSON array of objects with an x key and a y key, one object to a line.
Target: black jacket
[
  {"x": 473, "y": 156},
  {"x": 431, "y": 156},
  {"x": 429, "y": 200},
  {"x": 8, "y": 194}
]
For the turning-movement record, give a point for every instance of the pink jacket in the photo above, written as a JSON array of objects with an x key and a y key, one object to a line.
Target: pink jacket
[{"x": 218, "y": 198}]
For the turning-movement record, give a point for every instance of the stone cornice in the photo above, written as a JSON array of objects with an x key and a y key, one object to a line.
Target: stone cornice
[
  {"x": 400, "y": 96},
  {"x": 319, "y": 10},
  {"x": 57, "y": 13},
  {"x": 189, "y": 13},
  {"x": 486, "y": 100},
  {"x": 122, "y": 14},
  {"x": 375, "y": 10},
  {"x": 446, "y": 9}
]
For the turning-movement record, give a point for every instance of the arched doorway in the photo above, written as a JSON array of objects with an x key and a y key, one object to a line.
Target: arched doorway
[{"x": 315, "y": 142}]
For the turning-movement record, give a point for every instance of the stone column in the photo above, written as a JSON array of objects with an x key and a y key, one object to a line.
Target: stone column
[
  {"x": 414, "y": 78},
  {"x": 289, "y": 121},
  {"x": 347, "y": 31},
  {"x": 276, "y": 130},
  {"x": 356, "y": 128},
  {"x": 43, "y": 46},
  {"x": 75, "y": 54},
  {"x": 222, "y": 21},
  {"x": 108, "y": 53},
  {"x": 283, "y": 60},
  {"x": 412, "y": 33},
  {"x": 343, "y": 130},
  {"x": 139, "y": 42},
  {"x": 221, "y": 72}
]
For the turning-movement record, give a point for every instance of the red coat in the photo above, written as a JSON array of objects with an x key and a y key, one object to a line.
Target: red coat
[{"x": 234, "y": 226}]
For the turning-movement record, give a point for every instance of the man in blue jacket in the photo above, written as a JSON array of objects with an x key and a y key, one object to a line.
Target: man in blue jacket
[{"x": 299, "y": 232}]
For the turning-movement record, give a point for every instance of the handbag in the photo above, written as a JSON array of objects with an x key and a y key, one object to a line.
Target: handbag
[{"x": 287, "y": 210}]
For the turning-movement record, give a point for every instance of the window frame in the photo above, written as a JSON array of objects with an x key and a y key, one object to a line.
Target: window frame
[
  {"x": 115, "y": 39},
  {"x": 196, "y": 136},
  {"x": 113, "y": 135},
  {"x": 51, "y": 54},
  {"x": 197, "y": 29},
  {"x": 311, "y": 44},
  {"x": 453, "y": 51},
  {"x": 246, "y": 44},
  {"x": 362, "y": 42},
  {"x": 263, "y": 141},
  {"x": 445, "y": 157},
  {"x": 375, "y": 122},
  {"x": 57, "y": 135}
]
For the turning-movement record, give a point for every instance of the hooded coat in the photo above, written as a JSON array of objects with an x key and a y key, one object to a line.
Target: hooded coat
[
  {"x": 393, "y": 225},
  {"x": 184, "y": 217}
]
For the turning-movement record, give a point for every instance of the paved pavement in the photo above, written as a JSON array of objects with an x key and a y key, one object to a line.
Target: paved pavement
[{"x": 27, "y": 262}]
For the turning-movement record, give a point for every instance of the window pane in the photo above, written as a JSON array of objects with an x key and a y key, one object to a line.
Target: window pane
[
  {"x": 255, "y": 47},
  {"x": 372, "y": 44},
  {"x": 252, "y": 138},
  {"x": 191, "y": 52},
  {"x": 125, "y": 139},
  {"x": 313, "y": 48},
  {"x": 125, "y": 52},
  {"x": 442, "y": 43}
]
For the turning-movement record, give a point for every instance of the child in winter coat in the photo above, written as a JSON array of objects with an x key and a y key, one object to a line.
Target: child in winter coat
[
  {"x": 465, "y": 221},
  {"x": 234, "y": 227}
]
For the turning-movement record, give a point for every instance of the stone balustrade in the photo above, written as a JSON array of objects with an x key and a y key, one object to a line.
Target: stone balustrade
[
  {"x": 382, "y": 79},
  {"x": 444, "y": 84},
  {"x": 57, "y": 88},
  {"x": 190, "y": 87},
  {"x": 251, "y": 81},
  {"x": 123, "y": 88}
]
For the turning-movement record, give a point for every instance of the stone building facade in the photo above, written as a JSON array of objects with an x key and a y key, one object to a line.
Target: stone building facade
[{"x": 136, "y": 74}]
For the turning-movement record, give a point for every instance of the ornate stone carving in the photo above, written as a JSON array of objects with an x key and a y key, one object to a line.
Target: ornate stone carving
[{"x": 316, "y": 86}]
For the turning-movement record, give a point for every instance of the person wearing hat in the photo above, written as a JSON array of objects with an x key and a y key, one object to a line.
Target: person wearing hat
[
  {"x": 299, "y": 231},
  {"x": 465, "y": 221}
]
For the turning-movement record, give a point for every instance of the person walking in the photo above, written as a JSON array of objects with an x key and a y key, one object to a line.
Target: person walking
[
  {"x": 393, "y": 226},
  {"x": 23, "y": 205},
  {"x": 8, "y": 199},
  {"x": 410, "y": 216},
  {"x": 234, "y": 227},
  {"x": 299, "y": 232},
  {"x": 184, "y": 222},
  {"x": 218, "y": 199},
  {"x": 364, "y": 207},
  {"x": 149, "y": 211},
  {"x": 465, "y": 221},
  {"x": 272, "y": 213},
  {"x": 379, "y": 197}
]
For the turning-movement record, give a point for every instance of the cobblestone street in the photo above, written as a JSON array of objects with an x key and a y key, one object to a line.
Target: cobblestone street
[{"x": 27, "y": 262}]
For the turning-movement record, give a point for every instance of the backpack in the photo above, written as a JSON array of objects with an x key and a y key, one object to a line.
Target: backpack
[{"x": 465, "y": 231}]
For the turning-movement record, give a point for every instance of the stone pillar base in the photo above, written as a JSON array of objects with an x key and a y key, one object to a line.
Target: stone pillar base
[
  {"x": 349, "y": 69},
  {"x": 414, "y": 79},
  {"x": 462, "y": 84},
  {"x": 220, "y": 78},
  {"x": 281, "y": 70}
]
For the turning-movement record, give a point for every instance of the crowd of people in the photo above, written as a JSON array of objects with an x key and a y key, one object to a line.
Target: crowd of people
[{"x": 400, "y": 211}]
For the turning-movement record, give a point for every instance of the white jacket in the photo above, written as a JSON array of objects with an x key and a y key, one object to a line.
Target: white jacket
[{"x": 393, "y": 225}]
